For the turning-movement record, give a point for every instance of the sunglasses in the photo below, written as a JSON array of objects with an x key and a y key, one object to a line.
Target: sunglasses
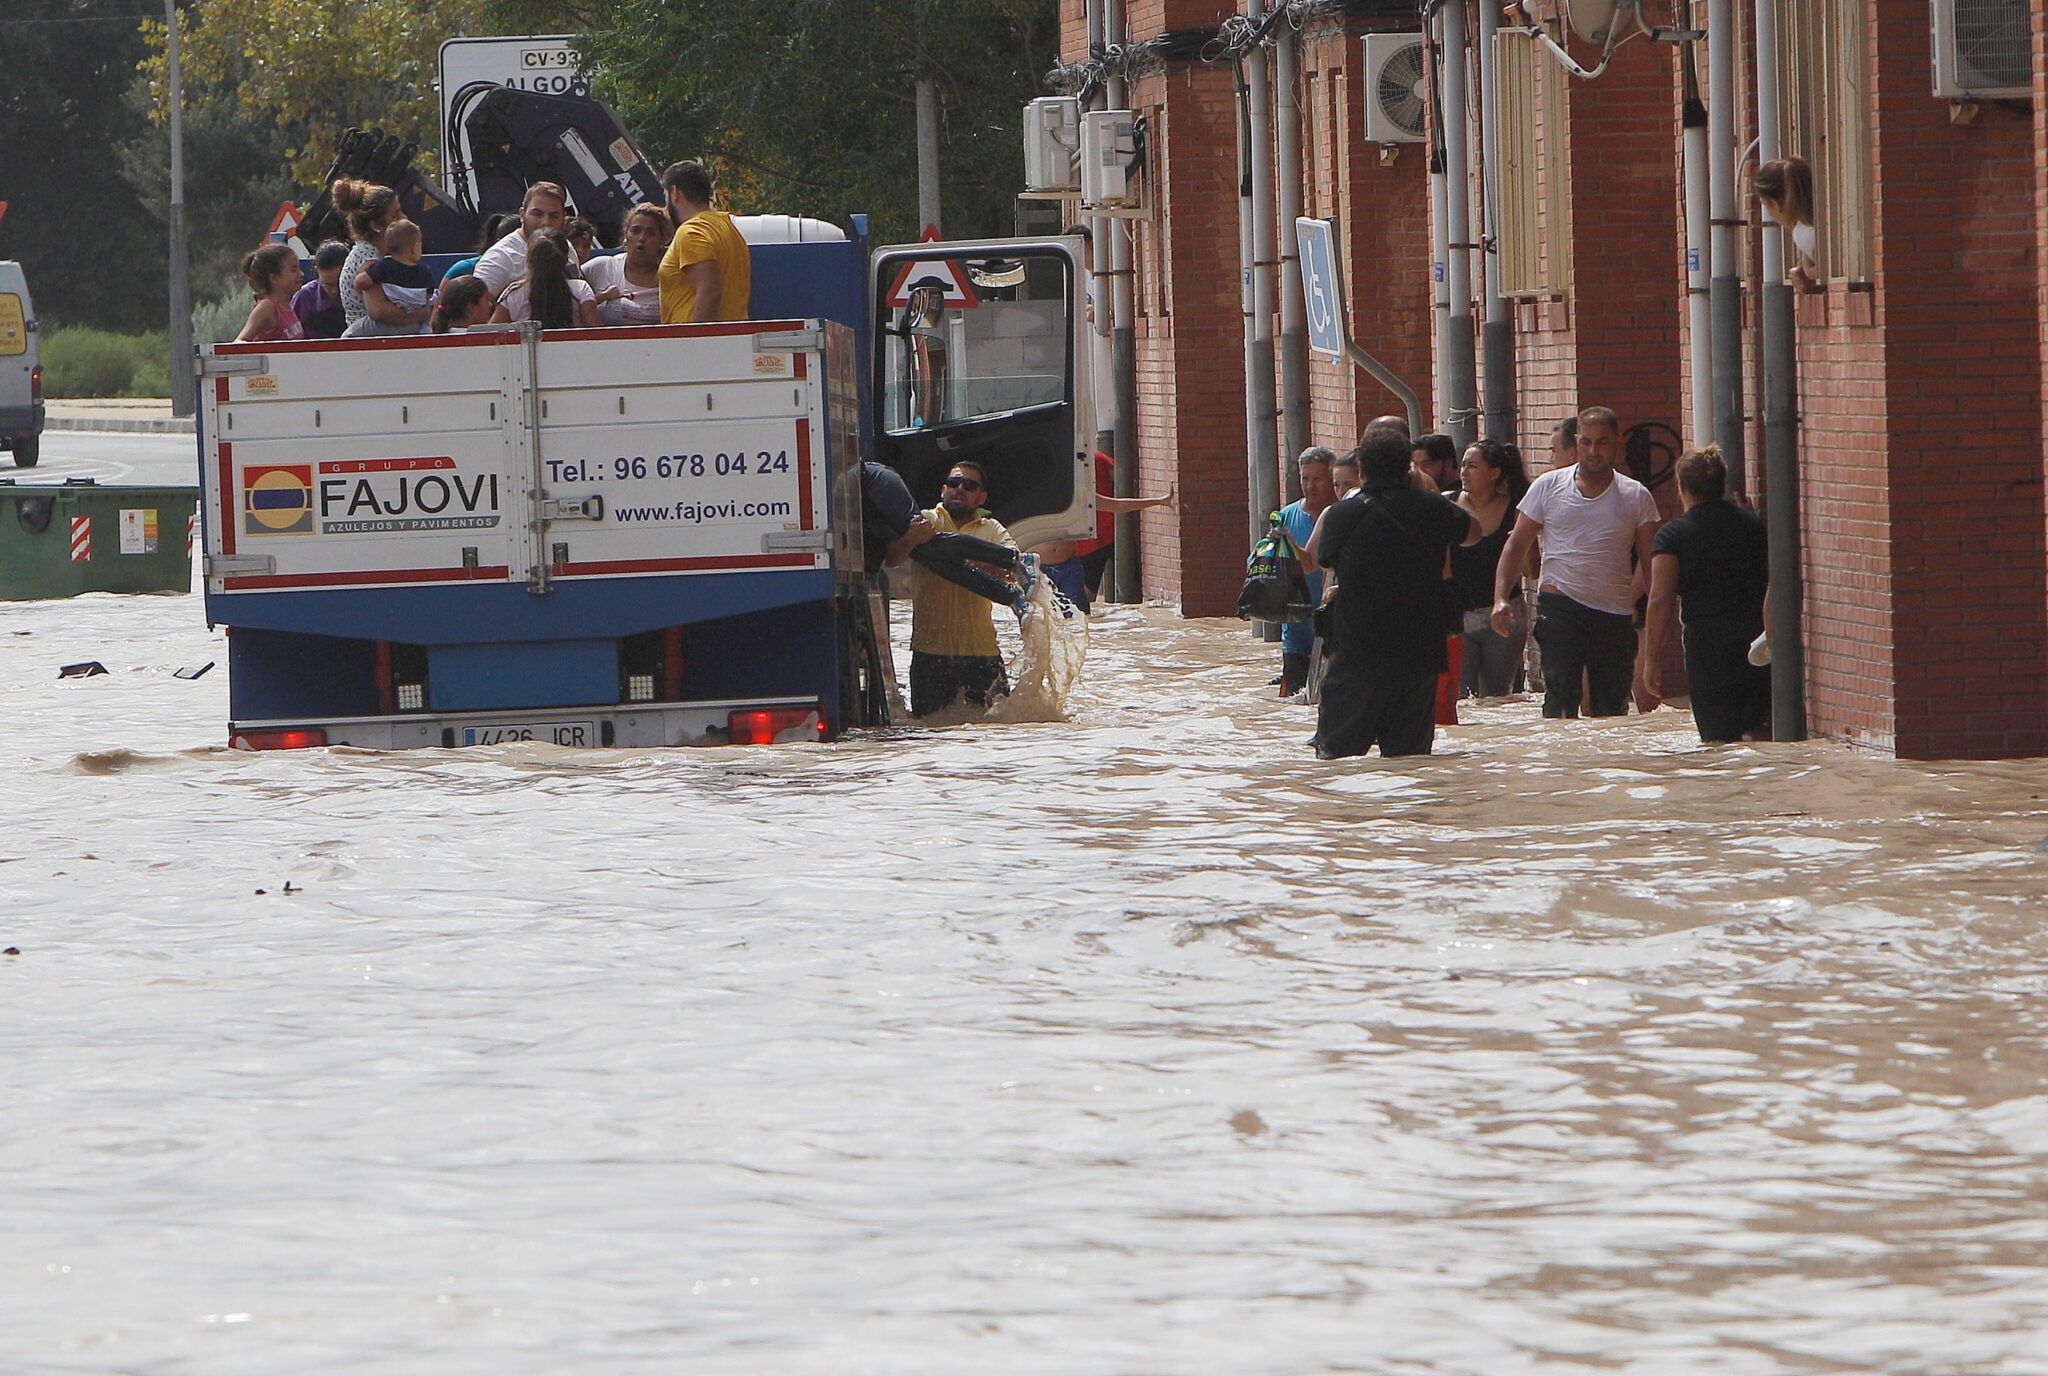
[{"x": 965, "y": 484}]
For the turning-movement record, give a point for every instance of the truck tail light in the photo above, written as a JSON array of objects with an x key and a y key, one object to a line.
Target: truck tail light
[
  {"x": 773, "y": 724},
  {"x": 278, "y": 740},
  {"x": 35, "y": 383}
]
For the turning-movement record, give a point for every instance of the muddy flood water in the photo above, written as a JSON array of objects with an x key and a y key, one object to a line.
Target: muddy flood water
[{"x": 1142, "y": 1043}]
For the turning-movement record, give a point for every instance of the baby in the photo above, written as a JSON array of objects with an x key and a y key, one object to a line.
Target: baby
[{"x": 398, "y": 290}]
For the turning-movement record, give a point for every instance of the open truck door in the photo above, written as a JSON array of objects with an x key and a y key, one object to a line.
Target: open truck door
[{"x": 981, "y": 353}]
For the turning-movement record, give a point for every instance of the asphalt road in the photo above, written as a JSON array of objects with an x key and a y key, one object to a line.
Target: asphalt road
[{"x": 154, "y": 460}]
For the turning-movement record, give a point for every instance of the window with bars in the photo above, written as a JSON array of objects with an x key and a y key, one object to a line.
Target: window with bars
[{"x": 1824, "y": 117}]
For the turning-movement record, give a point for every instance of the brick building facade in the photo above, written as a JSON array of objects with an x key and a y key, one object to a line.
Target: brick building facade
[{"x": 1923, "y": 374}]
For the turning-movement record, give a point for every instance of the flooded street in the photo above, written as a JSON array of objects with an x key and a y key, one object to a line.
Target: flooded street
[{"x": 1140, "y": 1043}]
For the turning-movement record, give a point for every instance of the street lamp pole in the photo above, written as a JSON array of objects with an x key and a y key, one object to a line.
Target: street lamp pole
[{"x": 182, "y": 388}]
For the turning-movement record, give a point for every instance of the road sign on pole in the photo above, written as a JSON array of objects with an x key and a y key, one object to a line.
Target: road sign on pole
[{"x": 1321, "y": 288}]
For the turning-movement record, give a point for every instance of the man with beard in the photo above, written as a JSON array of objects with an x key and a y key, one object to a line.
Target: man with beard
[{"x": 953, "y": 650}]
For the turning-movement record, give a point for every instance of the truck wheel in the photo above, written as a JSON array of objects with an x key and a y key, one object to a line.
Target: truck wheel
[
  {"x": 863, "y": 692},
  {"x": 27, "y": 450}
]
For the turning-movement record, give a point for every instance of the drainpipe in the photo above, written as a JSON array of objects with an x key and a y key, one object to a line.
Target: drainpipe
[
  {"x": 1123, "y": 348},
  {"x": 1497, "y": 334},
  {"x": 1255, "y": 235},
  {"x": 1698, "y": 271},
  {"x": 1725, "y": 291},
  {"x": 1294, "y": 408},
  {"x": 1102, "y": 368},
  {"x": 1440, "y": 277},
  {"x": 1458, "y": 363},
  {"x": 1781, "y": 419}
]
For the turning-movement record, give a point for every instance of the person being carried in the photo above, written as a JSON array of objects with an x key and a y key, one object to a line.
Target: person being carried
[
  {"x": 398, "y": 289},
  {"x": 708, "y": 272},
  {"x": 1075, "y": 566},
  {"x": 1712, "y": 562},
  {"x": 1387, "y": 546},
  {"x": 953, "y": 651},
  {"x": 1591, "y": 520},
  {"x": 273, "y": 274},
  {"x": 318, "y": 303}
]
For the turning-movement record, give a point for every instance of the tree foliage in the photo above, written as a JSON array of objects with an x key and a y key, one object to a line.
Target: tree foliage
[
  {"x": 313, "y": 68},
  {"x": 809, "y": 106},
  {"x": 71, "y": 219}
]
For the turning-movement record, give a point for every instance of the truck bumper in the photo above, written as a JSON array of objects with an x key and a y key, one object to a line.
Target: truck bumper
[
  {"x": 20, "y": 420},
  {"x": 656, "y": 725}
]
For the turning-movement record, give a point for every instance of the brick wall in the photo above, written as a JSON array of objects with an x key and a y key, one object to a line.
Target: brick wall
[{"x": 1962, "y": 379}]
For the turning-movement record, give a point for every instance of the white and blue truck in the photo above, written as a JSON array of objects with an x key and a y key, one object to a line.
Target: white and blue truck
[{"x": 639, "y": 536}]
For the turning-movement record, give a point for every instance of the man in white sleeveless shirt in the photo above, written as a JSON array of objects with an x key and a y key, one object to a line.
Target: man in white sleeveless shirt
[{"x": 1591, "y": 519}]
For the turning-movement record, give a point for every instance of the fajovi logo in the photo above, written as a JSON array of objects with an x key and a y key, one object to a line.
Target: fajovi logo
[
  {"x": 277, "y": 499},
  {"x": 373, "y": 496}
]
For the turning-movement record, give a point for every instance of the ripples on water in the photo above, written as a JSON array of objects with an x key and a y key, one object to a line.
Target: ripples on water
[{"x": 1144, "y": 1043}]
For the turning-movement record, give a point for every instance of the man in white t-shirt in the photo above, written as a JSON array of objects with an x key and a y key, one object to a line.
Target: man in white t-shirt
[
  {"x": 546, "y": 207},
  {"x": 1592, "y": 519}
]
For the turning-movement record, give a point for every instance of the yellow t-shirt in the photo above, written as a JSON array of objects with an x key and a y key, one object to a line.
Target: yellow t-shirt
[
  {"x": 945, "y": 618},
  {"x": 709, "y": 236}
]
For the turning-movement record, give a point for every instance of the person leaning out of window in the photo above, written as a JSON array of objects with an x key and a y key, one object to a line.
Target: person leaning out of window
[{"x": 1784, "y": 186}]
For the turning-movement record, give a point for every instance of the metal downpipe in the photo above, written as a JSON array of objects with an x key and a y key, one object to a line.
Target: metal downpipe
[
  {"x": 1497, "y": 332},
  {"x": 1781, "y": 421},
  {"x": 1294, "y": 401}
]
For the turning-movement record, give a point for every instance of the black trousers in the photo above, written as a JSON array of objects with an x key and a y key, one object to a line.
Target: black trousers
[
  {"x": 1363, "y": 707},
  {"x": 954, "y": 557},
  {"x": 938, "y": 681},
  {"x": 1730, "y": 696},
  {"x": 1575, "y": 638}
]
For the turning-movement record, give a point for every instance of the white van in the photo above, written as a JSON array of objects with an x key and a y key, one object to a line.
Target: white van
[{"x": 21, "y": 370}]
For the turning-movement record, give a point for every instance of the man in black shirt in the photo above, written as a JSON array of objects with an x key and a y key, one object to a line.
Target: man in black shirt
[
  {"x": 1386, "y": 546},
  {"x": 1712, "y": 561}
]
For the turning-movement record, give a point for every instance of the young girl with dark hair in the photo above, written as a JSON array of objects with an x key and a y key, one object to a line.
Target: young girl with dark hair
[
  {"x": 465, "y": 303},
  {"x": 547, "y": 293},
  {"x": 273, "y": 274}
]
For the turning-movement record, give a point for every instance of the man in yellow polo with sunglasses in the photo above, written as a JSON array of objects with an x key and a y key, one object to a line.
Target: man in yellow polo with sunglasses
[{"x": 953, "y": 650}]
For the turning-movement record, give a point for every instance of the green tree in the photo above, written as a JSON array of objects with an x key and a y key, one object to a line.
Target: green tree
[
  {"x": 809, "y": 106},
  {"x": 313, "y": 68},
  {"x": 92, "y": 255}
]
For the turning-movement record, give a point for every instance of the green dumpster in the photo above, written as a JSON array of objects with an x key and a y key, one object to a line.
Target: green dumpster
[{"x": 59, "y": 540}]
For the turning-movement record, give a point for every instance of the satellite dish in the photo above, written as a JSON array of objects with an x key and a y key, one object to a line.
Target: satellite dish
[{"x": 1593, "y": 20}]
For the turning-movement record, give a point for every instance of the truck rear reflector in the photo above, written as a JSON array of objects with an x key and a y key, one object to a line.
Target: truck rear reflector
[
  {"x": 770, "y": 725},
  {"x": 278, "y": 740}
]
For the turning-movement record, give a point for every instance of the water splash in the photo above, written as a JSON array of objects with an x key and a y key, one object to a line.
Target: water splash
[{"x": 1053, "y": 646}]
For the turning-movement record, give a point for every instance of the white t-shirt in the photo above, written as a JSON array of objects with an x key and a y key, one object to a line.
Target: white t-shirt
[
  {"x": 1586, "y": 541},
  {"x": 502, "y": 262},
  {"x": 635, "y": 306},
  {"x": 514, "y": 299}
]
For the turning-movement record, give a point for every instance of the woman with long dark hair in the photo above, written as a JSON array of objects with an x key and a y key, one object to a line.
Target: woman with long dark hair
[
  {"x": 547, "y": 293},
  {"x": 1493, "y": 480}
]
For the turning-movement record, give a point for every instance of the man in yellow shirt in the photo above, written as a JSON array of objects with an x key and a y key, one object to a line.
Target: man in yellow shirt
[
  {"x": 953, "y": 650},
  {"x": 707, "y": 273}
]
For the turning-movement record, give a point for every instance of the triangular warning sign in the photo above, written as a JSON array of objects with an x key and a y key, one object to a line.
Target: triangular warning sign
[
  {"x": 949, "y": 274},
  {"x": 287, "y": 224}
]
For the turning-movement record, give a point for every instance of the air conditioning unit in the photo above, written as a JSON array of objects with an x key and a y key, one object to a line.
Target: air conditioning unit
[
  {"x": 1395, "y": 94},
  {"x": 1982, "y": 50},
  {"x": 1112, "y": 162},
  {"x": 1052, "y": 142}
]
